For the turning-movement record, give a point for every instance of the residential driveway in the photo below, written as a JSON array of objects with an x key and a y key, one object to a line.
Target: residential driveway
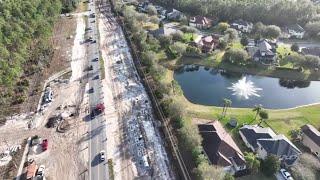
[{"x": 279, "y": 176}]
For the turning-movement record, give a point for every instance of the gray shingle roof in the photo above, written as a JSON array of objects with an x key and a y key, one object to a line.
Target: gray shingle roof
[
  {"x": 280, "y": 146},
  {"x": 253, "y": 133},
  {"x": 312, "y": 133},
  {"x": 296, "y": 28}
]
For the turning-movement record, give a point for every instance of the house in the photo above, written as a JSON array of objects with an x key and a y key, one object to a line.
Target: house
[
  {"x": 200, "y": 22},
  {"x": 295, "y": 31},
  {"x": 279, "y": 146},
  {"x": 263, "y": 51},
  {"x": 311, "y": 138},
  {"x": 220, "y": 147},
  {"x": 174, "y": 15},
  {"x": 241, "y": 25},
  {"x": 208, "y": 43},
  {"x": 251, "y": 133},
  {"x": 311, "y": 51},
  {"x": 265, "y": 142}
]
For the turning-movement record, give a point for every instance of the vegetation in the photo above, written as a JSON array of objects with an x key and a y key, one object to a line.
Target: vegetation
[
  {"x": 235, "y": 56},
  {"x": 69, "y": 5},
  {"x": 252, "y": 162},
  {"x": 295, "y": 47},
  {"x": 277, "y": 12},
  {"x": 270, "y": 166},
  {"x": 25, "y": 28}
]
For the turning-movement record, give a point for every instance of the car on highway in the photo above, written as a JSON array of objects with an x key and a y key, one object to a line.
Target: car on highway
[
  {"x": 102, "y": 155},
  {"x": 95, "y": 60},
  {"x": 41, "y": 171},
  {"x": 286, "y": 175}
]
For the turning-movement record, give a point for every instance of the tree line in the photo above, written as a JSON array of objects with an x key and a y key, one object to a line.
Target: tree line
[
  {"x": 279, "y": 12},
  {"x": 25, "y": 27}
]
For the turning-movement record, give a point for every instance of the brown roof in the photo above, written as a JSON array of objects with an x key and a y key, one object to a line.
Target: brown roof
[
  {"x": 219, "y": 145},
  {"x": 312, "y": 133},
  {"x": 200, "y": 20}
]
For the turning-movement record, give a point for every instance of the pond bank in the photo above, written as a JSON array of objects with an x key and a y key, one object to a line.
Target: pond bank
[{"x": 258, "y": 69}]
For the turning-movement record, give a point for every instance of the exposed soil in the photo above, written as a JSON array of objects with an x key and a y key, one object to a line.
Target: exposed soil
[{"x": 62, "y": 40}]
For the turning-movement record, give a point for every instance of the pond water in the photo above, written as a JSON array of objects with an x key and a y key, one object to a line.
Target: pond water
[{"x": 206, "y": 86}]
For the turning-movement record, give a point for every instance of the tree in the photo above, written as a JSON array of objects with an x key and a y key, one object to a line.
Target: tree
[
  {"x": 232, "y": 34},
  {"x": 272, "y": 32},
  {"x": 222, "y": 44},
  {"x": 235, "y": 56},
  {"x": 263, "y": 115},
  {"x": 177, "y": 36},
  {"x": 257, "y": 109},
  {"x": 296, "y": 134},
  {"x": 179, "y": 48},
  {"x": 313, "y": 28},
  {"x": 188, "y": 29},
  {"x": 244, "y": 40},
  {"x": 154, "y": 19},
  {"x": 226, "y": 103},
  {"x": 152, "y": 11},
  {"x": 165, "y": 40},
  {"x": 295, "y": 47},
  {"x": 296, "y": 59},
  {"x": 258, "y": 29},
  {"x": 222, "y": 26},
  {"x": 311, "y": 61},
  {"x": 228, "y": 176},
  {"x": 252, "y": 162},
  {"x": 205, "y": 171},
  {"x": 270, "y": 166}
]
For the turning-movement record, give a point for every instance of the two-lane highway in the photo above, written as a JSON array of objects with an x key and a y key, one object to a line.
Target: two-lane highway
[{"x": 98, "y": 170}]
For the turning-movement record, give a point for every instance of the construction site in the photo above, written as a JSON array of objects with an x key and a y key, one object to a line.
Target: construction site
[{"x": 63, "y": 134}]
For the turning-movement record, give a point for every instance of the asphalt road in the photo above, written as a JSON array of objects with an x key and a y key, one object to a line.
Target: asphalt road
[{"x": 98, "y": 170}]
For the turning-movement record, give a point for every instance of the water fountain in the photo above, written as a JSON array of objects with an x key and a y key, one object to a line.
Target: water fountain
[{"x": 244, "y": 88}]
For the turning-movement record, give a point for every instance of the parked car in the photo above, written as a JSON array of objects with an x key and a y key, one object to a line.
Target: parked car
[
  {"x": 102, "y": 155},
  {"x": 41, "y": 171},
  {"x": 286, "y": 174},
  {"x": 44, "y": 144}
]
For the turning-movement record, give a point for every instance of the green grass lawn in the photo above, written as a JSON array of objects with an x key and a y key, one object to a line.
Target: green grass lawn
[{"x": 188, "y": 37}]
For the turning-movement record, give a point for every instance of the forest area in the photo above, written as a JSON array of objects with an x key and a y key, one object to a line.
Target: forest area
[
  {"x": 278, "y": 12},
  {"x": 25, "y": 45}
]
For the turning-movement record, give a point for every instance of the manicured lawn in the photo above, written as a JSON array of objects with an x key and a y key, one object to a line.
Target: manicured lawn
[{"x": 188, "y": 37}]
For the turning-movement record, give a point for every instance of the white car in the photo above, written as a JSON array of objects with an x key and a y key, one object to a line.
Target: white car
[
  {"x": 41, "y": 171},
  {"x": 286, "y": 174},
  {"x": 102, "y": 155}
]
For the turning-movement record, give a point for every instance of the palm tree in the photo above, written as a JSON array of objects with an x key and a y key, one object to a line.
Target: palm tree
[
  {"x": 257, "y": 109},
  {"x": 252, "y": 162},
  {"x": 226, "y": 103},
  {"x": 263, "y": 115}
]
